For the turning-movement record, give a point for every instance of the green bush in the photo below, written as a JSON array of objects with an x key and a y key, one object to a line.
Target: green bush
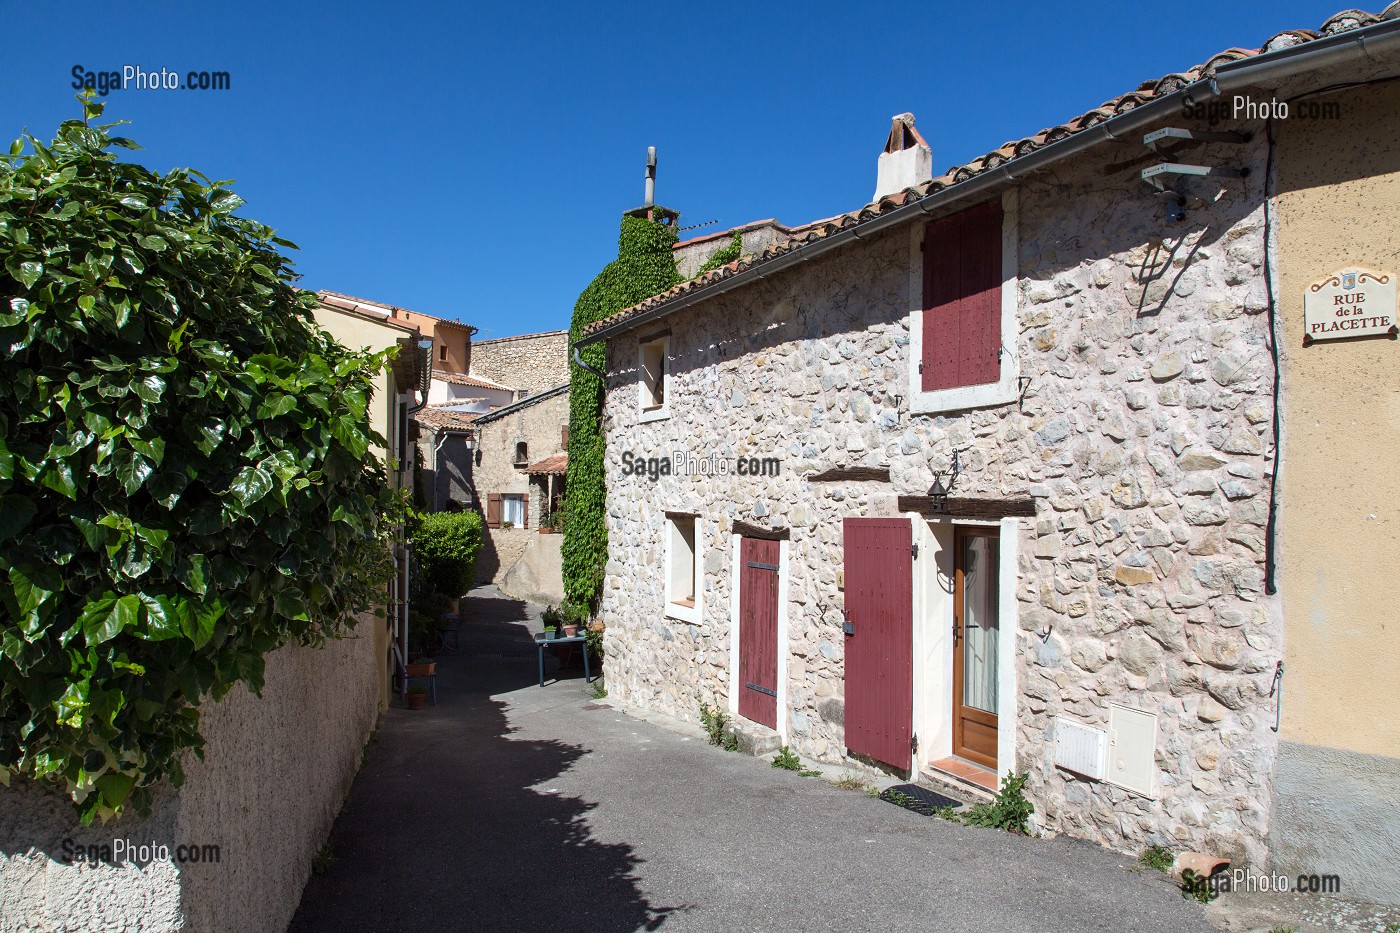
[
  {"x": 447, "y": 544},
  {"x": 187, "y": 477},
  {"x": 644, "y": 267}
]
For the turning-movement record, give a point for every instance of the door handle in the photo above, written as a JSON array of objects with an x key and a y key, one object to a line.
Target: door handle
[{"x": 957, "y": 632}]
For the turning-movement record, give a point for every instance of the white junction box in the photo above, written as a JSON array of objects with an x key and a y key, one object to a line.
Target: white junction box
[
  {"x": 1132, "y": 749},
  {"x": 1080, "y": 748}
]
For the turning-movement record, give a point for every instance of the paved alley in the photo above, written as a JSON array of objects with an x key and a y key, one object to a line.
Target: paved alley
[{"x": 510, "y": 807}]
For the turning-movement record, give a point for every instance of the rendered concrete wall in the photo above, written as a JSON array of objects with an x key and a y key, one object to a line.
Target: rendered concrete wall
[
  {"x": 276, "y": 770},
  {"x": 1338, "y": 777},
  {"x": 537, "y": 575},
  {"x": 1338, "y": 812},
  {"x": 1142, "y": 435}
]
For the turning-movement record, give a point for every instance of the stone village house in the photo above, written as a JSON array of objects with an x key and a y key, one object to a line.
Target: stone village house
[{"x": 1025, "y": 513}]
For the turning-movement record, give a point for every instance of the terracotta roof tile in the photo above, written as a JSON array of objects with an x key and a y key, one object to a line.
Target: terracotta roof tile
[
  {"x": 1144, "y": 93},
  {"x": 558, "y": 465},
  {"x": 440, "y": 418},
  {"x": 458, "y": 379}
]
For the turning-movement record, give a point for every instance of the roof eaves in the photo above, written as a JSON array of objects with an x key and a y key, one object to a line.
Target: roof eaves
[{"x": 1286, "y": 53}]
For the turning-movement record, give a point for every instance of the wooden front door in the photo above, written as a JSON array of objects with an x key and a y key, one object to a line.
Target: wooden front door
[
  {"x": 758, "y": 630},
  {"x": 879, "y": 638},
  {"x": 976, "y": 630}
]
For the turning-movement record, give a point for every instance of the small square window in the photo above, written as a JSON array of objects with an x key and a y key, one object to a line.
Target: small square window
[
  {"x": 652, "y": 361},
  {"x": 442, "y": 353},
  {"x": 682, "y": 568}
]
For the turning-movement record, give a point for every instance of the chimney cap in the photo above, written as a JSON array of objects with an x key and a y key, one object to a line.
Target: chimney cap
[{"x": 903, "y": 135}]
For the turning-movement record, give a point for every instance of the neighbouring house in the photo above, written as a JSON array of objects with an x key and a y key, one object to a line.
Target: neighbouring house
[
  {"x": 232, "y": 847},
  {"x": 518, "y": 469},
  {"x": 530, "y": 363},
  {"x": 980, "y": 478},
  {"x": 452, "y": 340}
]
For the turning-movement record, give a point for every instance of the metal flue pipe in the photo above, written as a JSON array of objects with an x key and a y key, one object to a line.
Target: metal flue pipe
[{"x": 651, "y": 176}]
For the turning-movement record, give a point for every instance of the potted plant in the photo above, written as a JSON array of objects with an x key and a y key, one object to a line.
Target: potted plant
[
  {"x": 553, "y": 619},
  {"x": 547, "y": 523},
  {"x": 416, "y": 696}
]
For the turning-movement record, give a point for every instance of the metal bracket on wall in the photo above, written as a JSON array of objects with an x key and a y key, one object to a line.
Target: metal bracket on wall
[
  {"x": 1277, "y": 691},
  {"x": 1155, "y": 175}
]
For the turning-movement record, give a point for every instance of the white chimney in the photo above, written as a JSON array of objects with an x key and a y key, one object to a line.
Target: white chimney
[{"x": 907, "y": 160}]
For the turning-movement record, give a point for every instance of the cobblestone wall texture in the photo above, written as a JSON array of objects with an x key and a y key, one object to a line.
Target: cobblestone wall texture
[{"x": 1143, "y": 435}]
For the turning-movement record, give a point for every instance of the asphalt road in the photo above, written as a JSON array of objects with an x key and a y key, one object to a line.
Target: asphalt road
[{"x": 514, "y": 808}]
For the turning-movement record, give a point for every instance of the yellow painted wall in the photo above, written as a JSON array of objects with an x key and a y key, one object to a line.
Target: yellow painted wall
[
  {"x": 1339, "y": 205},
  {"x": 359, "y": 333}
]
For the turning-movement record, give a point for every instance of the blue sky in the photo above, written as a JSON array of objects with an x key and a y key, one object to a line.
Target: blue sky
[{"x": 472, "y": 161}]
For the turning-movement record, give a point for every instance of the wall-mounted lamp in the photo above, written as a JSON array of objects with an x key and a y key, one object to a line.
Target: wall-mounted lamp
[{"x": 938, "y": 492}]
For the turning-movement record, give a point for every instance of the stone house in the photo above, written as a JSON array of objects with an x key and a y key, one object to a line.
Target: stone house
[
  {"x": 979, "y": 478},
  {"x": 518, "y": 468}
]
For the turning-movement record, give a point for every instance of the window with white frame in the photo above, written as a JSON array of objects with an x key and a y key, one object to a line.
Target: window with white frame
[
  {"x": 652, "y": 362},
  {"x": 682, "y": 568},
  {"x": 513, "y": 510}
]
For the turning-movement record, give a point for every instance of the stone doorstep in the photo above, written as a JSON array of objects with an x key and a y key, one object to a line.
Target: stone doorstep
[
  {"x": 953, "y": 786},
  {"x": 754, "y": 738}
]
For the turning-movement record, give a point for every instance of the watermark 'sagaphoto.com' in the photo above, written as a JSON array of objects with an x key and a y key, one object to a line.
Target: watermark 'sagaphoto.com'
[
  {"x": 1243, "y": 107},
  {"x": 127, "y": 851},
  {"x": 134, "y": 77},
  {"x": 683, "y": 463}
]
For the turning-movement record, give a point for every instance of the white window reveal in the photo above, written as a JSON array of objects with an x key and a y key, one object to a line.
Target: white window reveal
[
  {"x": 683, "y": 561},
  {"x": 513, "y": 511},
  {"x": 652, "y": 359},
  {"x": 964, "y": 272}
]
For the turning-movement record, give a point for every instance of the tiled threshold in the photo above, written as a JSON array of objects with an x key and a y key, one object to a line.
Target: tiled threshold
[{"x": 963, "y": 772}]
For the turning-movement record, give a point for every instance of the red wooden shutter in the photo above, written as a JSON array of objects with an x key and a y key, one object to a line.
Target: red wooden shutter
[
  {"x": 564, "y": 437},
  {"x": 879, "y": 603},
  {"x": 493, "y": 510},
  {"x": 962, "y": 299},
  {"x": 525, "y": 512}
]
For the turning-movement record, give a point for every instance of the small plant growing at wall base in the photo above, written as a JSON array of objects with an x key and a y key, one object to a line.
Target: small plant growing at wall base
[
  {"x": 1008, "y": 810},
  {"x": 1156, "y": 857},
  {"x": 715, "y": 722}
]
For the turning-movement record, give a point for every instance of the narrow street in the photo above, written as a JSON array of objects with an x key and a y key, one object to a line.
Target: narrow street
[{"x": 510, "y": 807}]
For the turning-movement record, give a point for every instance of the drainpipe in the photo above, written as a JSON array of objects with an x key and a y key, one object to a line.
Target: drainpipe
[{"x": 578, "y": 360}]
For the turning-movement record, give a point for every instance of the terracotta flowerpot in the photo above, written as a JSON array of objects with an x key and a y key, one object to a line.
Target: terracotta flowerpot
[
  {"x": 570, "y": 631},
  {"x": 416, "y": 700},
  {"x": 422, "y": 669}
]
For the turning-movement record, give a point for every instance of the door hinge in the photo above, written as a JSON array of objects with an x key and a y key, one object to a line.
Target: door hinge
[
  {"x": 921, "y": 369},
  {"x": 914, "y": 744},
  {"x": 915, "y": 549}
]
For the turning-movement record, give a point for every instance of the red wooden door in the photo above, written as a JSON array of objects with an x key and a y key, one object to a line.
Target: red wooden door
[
  {"x": 880, "y": 638},
  {"x": 758, "y": 630}
]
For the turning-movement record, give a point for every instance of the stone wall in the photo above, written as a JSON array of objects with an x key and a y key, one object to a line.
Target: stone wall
[
  {"x": 275, "y": 772},
  {"x": 691, "y": 254},
  {"x": 495, "y": 472},
  {"x": 1142, "y": 433},
  {"x": 533, "y": 362}
]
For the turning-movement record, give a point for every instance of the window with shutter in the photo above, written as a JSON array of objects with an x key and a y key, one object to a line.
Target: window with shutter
[
  {"x": 959, "y": 355},
  {"x": 493, "y": 510}
]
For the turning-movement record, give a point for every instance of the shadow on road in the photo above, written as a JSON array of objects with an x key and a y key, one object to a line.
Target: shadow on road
[{"x": 451, "y": 824}]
